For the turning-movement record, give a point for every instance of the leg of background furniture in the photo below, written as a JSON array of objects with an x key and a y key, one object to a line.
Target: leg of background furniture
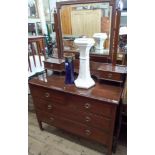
[{"x": 45, "y": 70}]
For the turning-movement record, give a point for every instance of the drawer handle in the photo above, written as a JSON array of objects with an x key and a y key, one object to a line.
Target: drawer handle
[
  {"x": 47, "y": 94},
  {"x": 88, "y": 119},
  {"x": 87, "y": 132},
  {"x": 49, "y": 106},
  {"x": 87, "y": 105},
  {"x": 109, "y": 75},
  {"x": 51, "y": 65},
  {"x": 52, "y": 119}
]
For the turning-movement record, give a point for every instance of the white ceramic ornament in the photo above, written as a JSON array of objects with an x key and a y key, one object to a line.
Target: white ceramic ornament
[{"x": 84, "y": 79}]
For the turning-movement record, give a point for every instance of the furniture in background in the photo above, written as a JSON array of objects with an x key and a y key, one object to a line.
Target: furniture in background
[{"x": 36, "y": 54}]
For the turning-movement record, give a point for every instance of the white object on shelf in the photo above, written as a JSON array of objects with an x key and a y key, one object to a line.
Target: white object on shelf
[
  {"x": 123, "y": 31},
  {"x": 100, "y": 39},
  {"x": 123, "y": 13},
  {"x": 84, "y": 79}
]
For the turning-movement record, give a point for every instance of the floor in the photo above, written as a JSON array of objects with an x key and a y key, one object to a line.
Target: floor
[{"x": 54, "y": 141}]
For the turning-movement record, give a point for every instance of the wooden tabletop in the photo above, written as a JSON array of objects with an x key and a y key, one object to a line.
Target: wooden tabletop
[
  {"x": 101, "y": 91},
  {"x": 35, "y": 37}
]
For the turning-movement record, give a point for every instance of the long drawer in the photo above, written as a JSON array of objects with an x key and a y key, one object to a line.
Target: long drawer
[
  {"x": 48, "y": 94},
  {"x": 90, "y": 105},
  {"x": 87, "y": 118},
  {"x": 74, "y": 102},
  {"x": 73, "y": 127}
]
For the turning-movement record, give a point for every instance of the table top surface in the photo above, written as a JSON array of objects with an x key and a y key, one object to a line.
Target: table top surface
[
  {"x": 101, "y": 91},
  {"x": 55, "y": 60},
  {"x": 35, "y": 37}
]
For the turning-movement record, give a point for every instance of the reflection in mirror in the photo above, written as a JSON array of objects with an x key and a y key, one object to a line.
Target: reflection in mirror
[{"x": 86, "y": 20}]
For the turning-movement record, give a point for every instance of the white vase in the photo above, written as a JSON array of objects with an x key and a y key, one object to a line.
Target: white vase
[{"x": 84, "y": 79}]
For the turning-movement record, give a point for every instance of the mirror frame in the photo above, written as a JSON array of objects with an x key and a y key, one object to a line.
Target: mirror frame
[{"x": 115, "y": 20}]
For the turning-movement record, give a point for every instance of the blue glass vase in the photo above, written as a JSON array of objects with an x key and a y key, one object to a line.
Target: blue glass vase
[{"x": 69, "y": 69}]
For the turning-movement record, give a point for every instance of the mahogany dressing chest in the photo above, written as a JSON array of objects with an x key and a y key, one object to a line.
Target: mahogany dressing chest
[{"x": 87, "y": 113}]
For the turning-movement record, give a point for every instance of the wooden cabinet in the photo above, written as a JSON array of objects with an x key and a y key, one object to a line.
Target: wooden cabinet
[
  {"x": 88, "y": 113},
  {"x": 86, "y": 22}
]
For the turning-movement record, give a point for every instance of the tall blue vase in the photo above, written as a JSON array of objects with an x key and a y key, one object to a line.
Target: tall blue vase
[{"x": 69, "y": 69}]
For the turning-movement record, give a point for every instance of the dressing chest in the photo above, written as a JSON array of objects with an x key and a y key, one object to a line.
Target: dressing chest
[{"x": 87, "y": 113}]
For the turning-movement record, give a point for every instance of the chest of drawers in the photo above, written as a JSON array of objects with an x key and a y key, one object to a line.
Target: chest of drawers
[{"x": 87, "y": 113}]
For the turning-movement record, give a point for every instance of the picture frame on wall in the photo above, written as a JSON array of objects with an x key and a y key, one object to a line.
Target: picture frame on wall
[{"x": 32, "y": 9}]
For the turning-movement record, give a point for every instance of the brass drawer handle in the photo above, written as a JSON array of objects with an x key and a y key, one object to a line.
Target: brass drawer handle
[
  {"x": 109, "y": 75},
  {"x": 49, "y": 106},
  {"x": 88, "y": 119},
  {"x": 87, "y": 105},
  {"x": 52, "y": 119},
  {"x": 47, "y": 94},
  {"x": 87, "y": 132}
]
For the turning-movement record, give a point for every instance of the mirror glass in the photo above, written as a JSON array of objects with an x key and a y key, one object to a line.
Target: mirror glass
[{"x": 91, "y": 20}]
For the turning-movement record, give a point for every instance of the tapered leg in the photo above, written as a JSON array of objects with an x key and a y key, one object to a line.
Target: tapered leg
[
  {"x": 109, "y": 149},
  {"x": 40, "y": 125}
]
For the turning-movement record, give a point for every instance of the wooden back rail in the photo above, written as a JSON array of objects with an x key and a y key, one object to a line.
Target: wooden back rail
[{"x": 39, "y": 40}]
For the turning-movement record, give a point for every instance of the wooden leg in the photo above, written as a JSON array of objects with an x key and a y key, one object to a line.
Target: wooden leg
[
  {"x": 109, "y": 149},
  {"x": 40, "y": 125},
  {"x": 118, "y": 128},
  {"x": 114, "y": 145},
  {"x": 45, "y": 70}
]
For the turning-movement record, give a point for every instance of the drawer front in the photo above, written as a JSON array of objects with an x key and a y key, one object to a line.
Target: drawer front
[
  {"x": 87, "y": 118},
  {"x": 73, "y": 127},
  {"x": 56, "y": 67},
  {"x": 89, "y": 105},
  {"x": 48, "y": 94},
  {"x": 110, "y": 76}
]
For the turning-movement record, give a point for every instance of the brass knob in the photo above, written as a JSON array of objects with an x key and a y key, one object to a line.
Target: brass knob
[
  {"x": 52, "y": 119},
  {"x": 47, "y": 94},
  {"x": 49, "y": 106},
  {"x": 109, "y": 75},
  {"x": 88, "y": 132},
  {"x": 87, "y": 105},
  {"x": 88, "y": 119}
]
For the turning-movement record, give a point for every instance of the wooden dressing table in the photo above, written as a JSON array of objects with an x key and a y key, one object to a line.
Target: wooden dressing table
[{"x": 90, "y": 113}]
